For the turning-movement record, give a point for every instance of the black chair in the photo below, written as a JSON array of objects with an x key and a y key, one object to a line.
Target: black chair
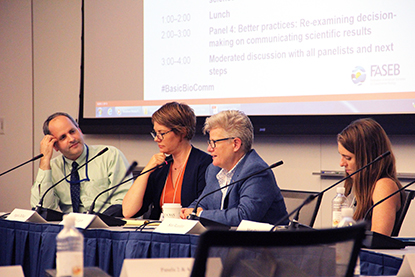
[
  {"x": 310, "y": 252},
  {"x": 294, "y": 198},
  {"x": 407, "y": 199}
]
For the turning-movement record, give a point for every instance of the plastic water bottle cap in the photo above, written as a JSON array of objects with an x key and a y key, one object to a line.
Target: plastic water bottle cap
[
  {"x": 340, "y": 190},
  {"x": 347, "y": 212},
  {"x": 69, "y": 220}
]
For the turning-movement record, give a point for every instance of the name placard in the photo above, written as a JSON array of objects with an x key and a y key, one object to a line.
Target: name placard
[
  {"x": 171, "y": 267},
  {"x": 25, "y": 216},
  {"x": 247, "y": 225},
  {"x": 11, "y": 271},
  {"x": 180, "y": 226},
  {"x": 408, "y": 266},
  {"x": 84, "y": 221}
]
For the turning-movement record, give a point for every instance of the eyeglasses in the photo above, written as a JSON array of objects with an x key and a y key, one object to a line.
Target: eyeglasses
[
  {"x": 212, "y": 142},
  {"x": 160, "y": 136}
]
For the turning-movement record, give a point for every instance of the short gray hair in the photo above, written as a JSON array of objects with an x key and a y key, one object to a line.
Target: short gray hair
[{"x": 235, "y": 123}]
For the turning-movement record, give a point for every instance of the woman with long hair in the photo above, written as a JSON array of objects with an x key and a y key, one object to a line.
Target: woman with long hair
[{"x": 358, "y": 144}]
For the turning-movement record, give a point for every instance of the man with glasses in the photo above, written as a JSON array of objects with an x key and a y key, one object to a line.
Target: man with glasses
[
  {"x": 77, "y": 192},
  {"x": 256, "y": 199}
]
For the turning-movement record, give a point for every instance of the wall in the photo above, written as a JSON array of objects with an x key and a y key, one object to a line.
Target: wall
[
  {"x": 16, "y": 101},
  {"x": 40, "y": 75}
]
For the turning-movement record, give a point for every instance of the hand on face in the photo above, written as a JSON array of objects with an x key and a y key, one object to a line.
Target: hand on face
[
  {"x": 47, "y": 145},
  {"x": 157, "y": 159},
  {"x": 69, "y": 138},
  {"x": 46, "y": 148}
]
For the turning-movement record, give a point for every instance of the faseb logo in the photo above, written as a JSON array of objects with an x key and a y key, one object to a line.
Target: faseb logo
[
  {"x": 385, "y": 70},
  {"x": 358, "y": 75}
]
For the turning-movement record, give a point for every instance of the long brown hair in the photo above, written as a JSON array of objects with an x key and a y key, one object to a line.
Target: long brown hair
[{"x": 367, "y": 140}]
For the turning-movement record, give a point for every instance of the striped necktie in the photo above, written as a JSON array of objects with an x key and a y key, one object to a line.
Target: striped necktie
[{"x": 75, "y": 188}]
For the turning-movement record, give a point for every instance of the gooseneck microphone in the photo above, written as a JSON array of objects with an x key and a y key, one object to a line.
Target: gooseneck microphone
[
  {"x": 31, "y": 160},
  {"x": 386, "y": 198},
  {"x": 193, "y": 215},
  {"x": 91, "y": 209},
  {"x": 313, "y": 196},
  {"x": 39, "y": 206},
  {"x": 114, "y": 188}
]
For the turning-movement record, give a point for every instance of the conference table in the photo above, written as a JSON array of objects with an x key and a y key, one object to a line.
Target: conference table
[{"x": 33, "y": 246}]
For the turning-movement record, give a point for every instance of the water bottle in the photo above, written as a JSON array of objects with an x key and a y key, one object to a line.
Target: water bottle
[
  {"x": 347, "y": 218},
  {"x": 69, "y": 250},
  {"x": 339, "y": 202},
  {"x": 343, "y": 250}
]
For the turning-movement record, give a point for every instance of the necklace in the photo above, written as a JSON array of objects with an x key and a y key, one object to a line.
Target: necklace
[
  {"x": 175, "y": 182},
  {"x": 178, "y": 167}
]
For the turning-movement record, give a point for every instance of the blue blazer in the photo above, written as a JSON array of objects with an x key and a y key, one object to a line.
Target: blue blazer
[
  {"x": 192, "y": 186},
  {"x": 258, "y": 198}
]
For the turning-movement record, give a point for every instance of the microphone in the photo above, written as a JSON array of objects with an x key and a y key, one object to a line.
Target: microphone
[
  {"x": 108, "y": 219},
  {"x": 31, "y": 160},
  {"x": 130, "y": 170},
  {"x": 55, "y": 215},
  {"x": 193, "y": 215},
  {"x": 111, "y": 220},
  {"x": 313, "y": 196}
]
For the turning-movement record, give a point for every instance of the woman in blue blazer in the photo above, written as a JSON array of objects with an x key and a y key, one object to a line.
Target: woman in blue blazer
[{"x": 258, "y": 198}]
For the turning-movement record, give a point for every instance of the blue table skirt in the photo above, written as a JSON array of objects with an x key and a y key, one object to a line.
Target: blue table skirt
[
  {"x": 377, "y": 264},
  {"x": 33, "y": 246}
]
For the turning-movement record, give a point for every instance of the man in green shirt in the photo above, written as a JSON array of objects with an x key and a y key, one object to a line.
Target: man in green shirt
[{"x": 77, "y": 192}]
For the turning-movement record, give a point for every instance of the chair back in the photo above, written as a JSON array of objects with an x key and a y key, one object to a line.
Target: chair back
[
  {"x": 407, "y": 199},
  {"x": 309, "y": 252},
  {"x": 294, "y": 198}
]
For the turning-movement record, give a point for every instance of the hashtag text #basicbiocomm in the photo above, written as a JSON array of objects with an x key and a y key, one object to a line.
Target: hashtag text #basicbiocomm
[{"x": 187, "y": 88}]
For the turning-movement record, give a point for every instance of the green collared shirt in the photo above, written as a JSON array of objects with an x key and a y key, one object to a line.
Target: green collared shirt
[{"x": 103, "y": 172}]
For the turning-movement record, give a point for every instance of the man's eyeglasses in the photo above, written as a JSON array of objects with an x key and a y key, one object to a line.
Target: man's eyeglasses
[
  {"x": 160, "y": 136},
  {"x": 212, "y": 142}
]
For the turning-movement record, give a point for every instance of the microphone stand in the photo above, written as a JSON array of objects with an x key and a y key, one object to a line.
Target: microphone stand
[
  {"x": 193, "y": 215},
  {"x": 91, "y": 209},
  {"x": 294, "y": 224},
  {"x": 386, "y": 198},
  {"x": 52, "y": 215},
  {"x": 110, "y": 220},
  {"x": 313, "y": 196},
  {"x": 31, "y": 160}
]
